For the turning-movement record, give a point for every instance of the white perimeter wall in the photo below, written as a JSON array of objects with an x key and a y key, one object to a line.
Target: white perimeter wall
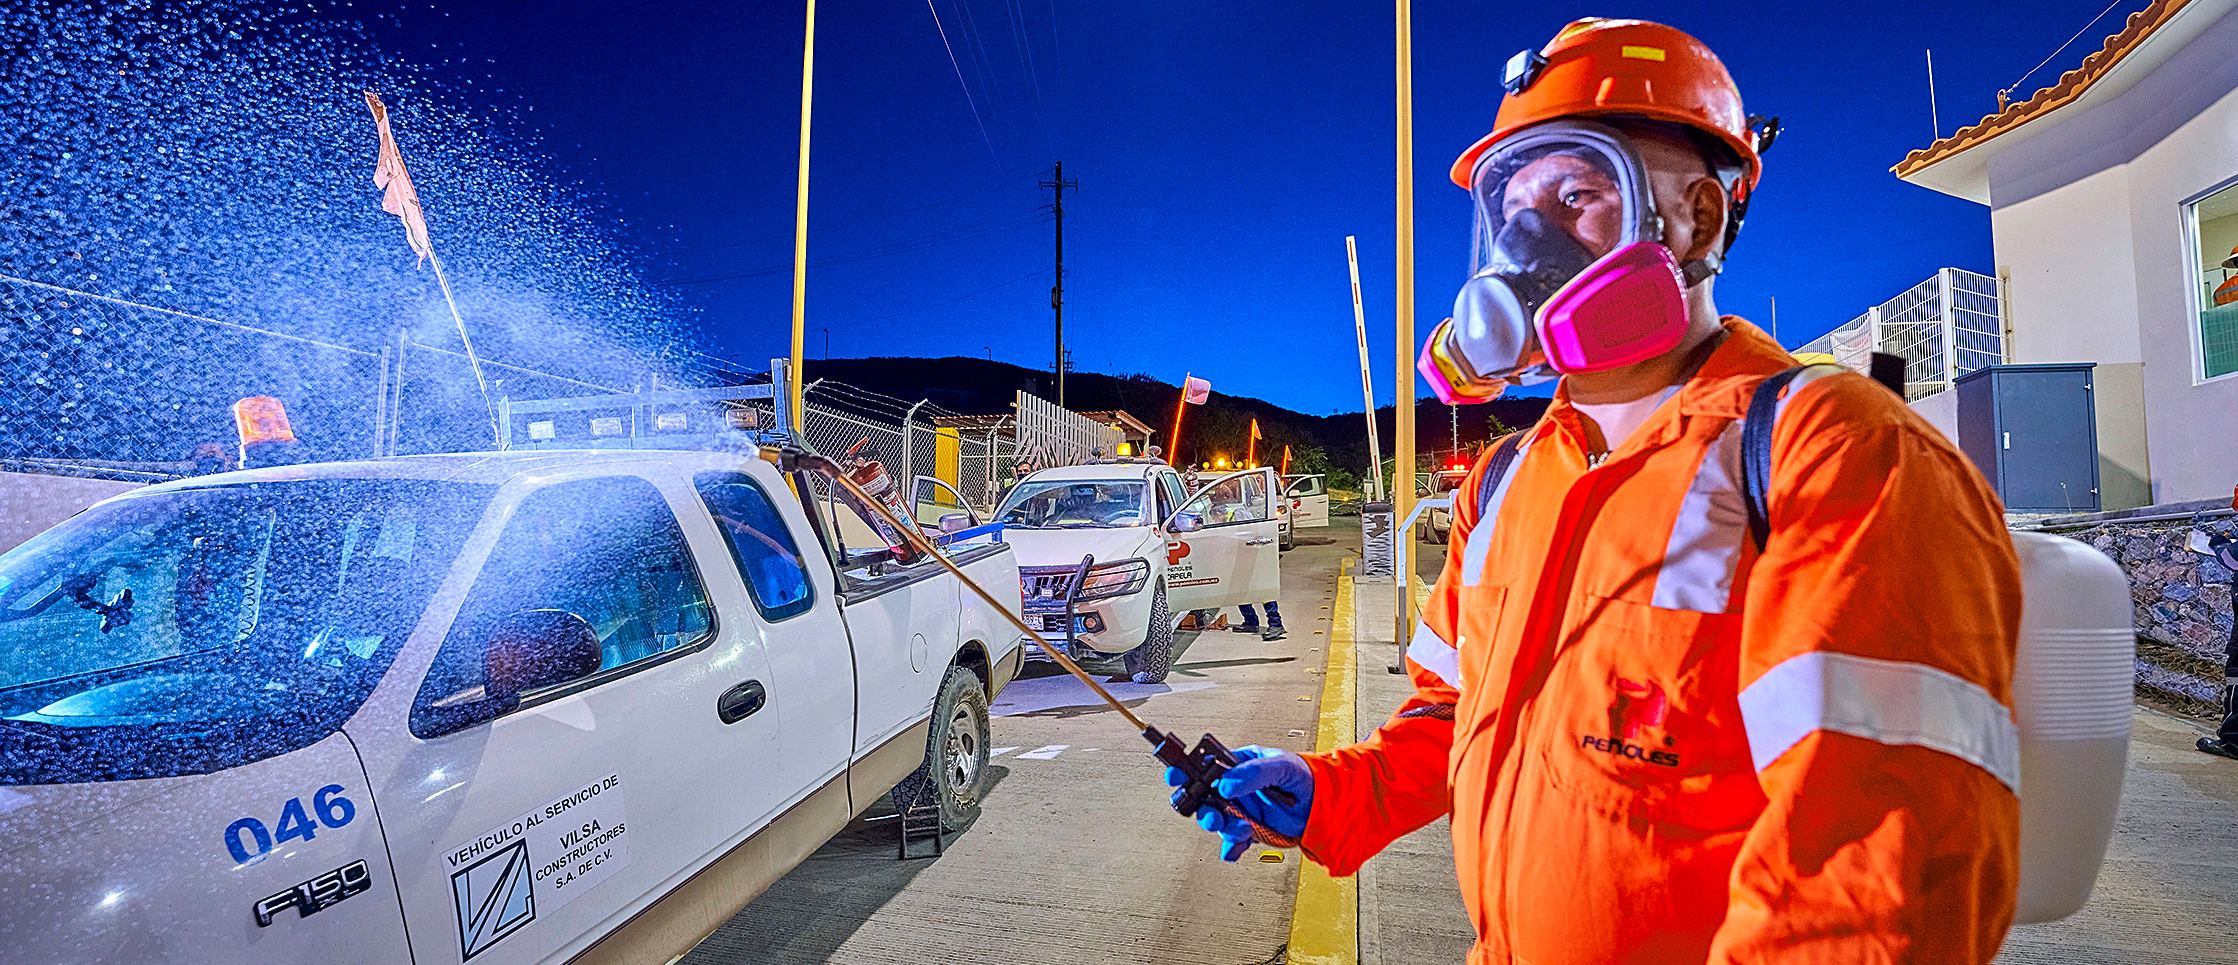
[
  {"x": 32, "y": 502},
  {"x": 2067, "y": 257}
]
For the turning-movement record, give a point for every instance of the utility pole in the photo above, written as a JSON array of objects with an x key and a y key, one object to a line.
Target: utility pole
[
  {"x": 1057, "y": 291},
  {"x": 1402, "y": 492}
]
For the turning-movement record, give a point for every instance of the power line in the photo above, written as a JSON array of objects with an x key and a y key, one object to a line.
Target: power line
[
  {"x": 908, "y": 246},
  {"x": 1036, "y": 273},
  {"x": 787, "y": 236},
  {"x": 1026, "y": 55},
  {"x": 2078, "y": 35},
  {"x": 960, "y": 83}
]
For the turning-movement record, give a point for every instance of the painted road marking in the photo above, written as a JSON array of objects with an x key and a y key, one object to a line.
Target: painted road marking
[
  {"x": 1325, "y": 922},
  {"x": 1049, "y": 752},
  {"x": 1000, "y": 751}
]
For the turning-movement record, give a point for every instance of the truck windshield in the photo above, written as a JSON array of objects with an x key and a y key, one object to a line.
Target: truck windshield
[
  {"x": 189, "y": 631},
  {"x": 1072, "y": 504}
]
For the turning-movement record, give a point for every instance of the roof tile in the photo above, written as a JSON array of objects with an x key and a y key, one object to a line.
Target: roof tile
[{"x": 2071, "y": 85}]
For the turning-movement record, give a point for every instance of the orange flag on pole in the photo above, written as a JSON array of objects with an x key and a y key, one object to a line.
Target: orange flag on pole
[
  {"x": 397, "y": 196},
  {"x": 1251, "y": 446}
]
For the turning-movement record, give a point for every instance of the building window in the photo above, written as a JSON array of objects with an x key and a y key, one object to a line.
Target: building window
[{"x": 2215, "y": 224}]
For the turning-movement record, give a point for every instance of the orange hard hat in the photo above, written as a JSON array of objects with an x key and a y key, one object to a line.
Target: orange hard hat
[
  {"x": 2232, "y": 261},
  {"x": 1596, "y": 68}
]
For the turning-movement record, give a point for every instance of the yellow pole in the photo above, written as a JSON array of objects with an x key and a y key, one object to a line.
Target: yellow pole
[
  {"x": 1402, "y": 502},
  {"x": 800, "y": 212}
]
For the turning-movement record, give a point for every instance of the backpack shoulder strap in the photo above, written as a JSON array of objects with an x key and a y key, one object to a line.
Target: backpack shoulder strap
[
  {"x": 1496, "y": 468},
  {"x": 1756, "y": 446}
]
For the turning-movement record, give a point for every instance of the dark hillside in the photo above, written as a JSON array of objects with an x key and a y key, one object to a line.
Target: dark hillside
[{"x": 975, "y": 386}]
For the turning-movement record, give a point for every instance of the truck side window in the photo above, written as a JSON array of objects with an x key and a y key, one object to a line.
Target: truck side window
[
  {"x": 1237, "y": 499},
  {"x": 767, "y": 556},
  {"x": 607, "y": 550},
  {"x": 1170, "y": 494}
]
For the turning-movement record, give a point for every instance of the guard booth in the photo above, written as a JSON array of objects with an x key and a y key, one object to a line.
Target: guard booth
[{"x": 2032, "y": 431}]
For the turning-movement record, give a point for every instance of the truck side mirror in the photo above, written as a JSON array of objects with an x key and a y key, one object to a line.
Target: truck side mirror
[
  {"x": 1185, "y": 523},
  {"x": 537, "y": 648},
  {"x": 955, "y": 522}
]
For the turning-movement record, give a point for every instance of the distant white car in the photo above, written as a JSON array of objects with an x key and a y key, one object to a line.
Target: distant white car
[
  {"x": 1152, "y": 551},
  {"x": 1308, "y": 495},
  {"x": 1437, "y": 522}
]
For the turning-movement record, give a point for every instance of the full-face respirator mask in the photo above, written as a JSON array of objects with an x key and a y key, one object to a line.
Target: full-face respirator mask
[{"x": 1569, "y": 273}]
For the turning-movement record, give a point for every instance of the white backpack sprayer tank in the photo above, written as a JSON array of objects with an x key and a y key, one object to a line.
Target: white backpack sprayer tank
[
  {"x": 2073, "y": 690},
  {"x": 2073, "y": 686}
]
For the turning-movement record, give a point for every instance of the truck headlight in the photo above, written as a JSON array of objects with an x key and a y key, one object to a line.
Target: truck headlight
[{"x": 1114, "y": 579}]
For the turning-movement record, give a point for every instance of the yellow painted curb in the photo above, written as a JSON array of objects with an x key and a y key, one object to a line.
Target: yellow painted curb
[{"x": 1325, "y": 923}]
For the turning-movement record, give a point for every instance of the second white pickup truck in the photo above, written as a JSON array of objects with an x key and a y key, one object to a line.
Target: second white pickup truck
[{"x": 1157, "y": 552}]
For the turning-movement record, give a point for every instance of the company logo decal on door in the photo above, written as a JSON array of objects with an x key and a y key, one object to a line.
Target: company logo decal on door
[
  {"x": 561, "y": 849},
  {"x": 495, "y": 898}
]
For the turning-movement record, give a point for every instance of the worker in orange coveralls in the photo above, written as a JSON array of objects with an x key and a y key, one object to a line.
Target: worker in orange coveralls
[{"x": 1667, "y": 731}]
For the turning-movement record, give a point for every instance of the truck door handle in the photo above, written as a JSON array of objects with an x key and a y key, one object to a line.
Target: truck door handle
[
  {"x": 740, "y": 702},
  {"x": 1262, "y": 541}
]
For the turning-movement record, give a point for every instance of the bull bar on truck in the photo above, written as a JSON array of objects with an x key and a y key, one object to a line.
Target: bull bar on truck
[{"x": 1058, "y": 591}]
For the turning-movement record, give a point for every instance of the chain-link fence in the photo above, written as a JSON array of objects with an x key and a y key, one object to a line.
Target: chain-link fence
[
  {"x": 974, "y": 454},
  {"x": 1943, "y": 328},
  {"x": 88, "y": 377}
]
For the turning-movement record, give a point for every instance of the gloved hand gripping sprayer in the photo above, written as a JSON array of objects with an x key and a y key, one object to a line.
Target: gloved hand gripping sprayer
[{"x": 1201, "y": 766}]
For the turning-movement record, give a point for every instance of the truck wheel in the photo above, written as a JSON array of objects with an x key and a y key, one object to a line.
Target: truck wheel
[
  {"x": 955, "y": 768},
  {"x": 1149, "y": 663}
]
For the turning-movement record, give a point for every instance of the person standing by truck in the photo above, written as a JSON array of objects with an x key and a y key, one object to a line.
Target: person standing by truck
[
  {"x": 2224, "y": 550},
  {"x": 1250, "y": 622}
]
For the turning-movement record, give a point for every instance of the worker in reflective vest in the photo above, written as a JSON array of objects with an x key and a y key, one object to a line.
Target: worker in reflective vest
[{"x": 1659, "y": 739}]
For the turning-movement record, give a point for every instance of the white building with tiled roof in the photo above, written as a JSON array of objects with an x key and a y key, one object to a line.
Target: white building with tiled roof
[{"x": 2113, "y": 198}]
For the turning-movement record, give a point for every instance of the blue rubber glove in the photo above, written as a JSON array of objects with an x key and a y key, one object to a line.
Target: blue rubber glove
[{"x": 1262, "y": 767}]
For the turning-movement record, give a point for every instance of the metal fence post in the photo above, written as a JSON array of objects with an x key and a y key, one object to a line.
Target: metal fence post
[
  {"x": 908, "y": 433},
  {"x": 381, "y": 406},
  {"x": 1950, "y": 329},
  {"x": 781, "y": 397}
]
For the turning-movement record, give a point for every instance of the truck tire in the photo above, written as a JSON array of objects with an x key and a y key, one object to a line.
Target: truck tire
[
  {"x": 955, "y": 768},
  {"x": 1149, "y": 663}
]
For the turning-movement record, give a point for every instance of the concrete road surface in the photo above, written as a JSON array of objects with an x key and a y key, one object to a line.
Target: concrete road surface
[{"x": 1076, "y": 856}]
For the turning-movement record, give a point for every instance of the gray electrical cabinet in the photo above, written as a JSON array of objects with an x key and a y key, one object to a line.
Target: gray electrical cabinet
[{"x": 2033, "y": 431}]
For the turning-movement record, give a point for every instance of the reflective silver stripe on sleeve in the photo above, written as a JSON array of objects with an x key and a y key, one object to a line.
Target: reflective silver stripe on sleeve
[
  {"x": 1880, "y": 700},
  {"x": 1480, "y": 535},
  {"x": 1435, "y": 655},
  {"x": 1705, "y": 546}
]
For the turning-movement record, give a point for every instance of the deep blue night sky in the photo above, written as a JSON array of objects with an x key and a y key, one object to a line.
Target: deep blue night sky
[{"x": 1223, "y": 152}]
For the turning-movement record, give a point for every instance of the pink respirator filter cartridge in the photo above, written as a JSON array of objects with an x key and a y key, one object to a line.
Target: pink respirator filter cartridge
[{"x": 1626, "y": 307}]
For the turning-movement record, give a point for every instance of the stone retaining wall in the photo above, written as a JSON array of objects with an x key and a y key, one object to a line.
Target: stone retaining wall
[{"x": 2183, "y": 603}]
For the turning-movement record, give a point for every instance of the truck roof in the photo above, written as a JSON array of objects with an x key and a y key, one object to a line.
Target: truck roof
[
  {"x": 1101, "y": 470},
  {"x": 467, "y": 467}
]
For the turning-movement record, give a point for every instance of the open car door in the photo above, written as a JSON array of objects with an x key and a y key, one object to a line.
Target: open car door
[
  {"x": 934, "y": 501},
  {"x": 1309, "y": 501},
  {"x": 1232, "y": 558}
]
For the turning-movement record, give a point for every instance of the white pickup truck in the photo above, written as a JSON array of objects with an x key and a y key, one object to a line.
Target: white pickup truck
[
  {"x": 561, "y": 706},
  {"x": 1158, "y": 552}
]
